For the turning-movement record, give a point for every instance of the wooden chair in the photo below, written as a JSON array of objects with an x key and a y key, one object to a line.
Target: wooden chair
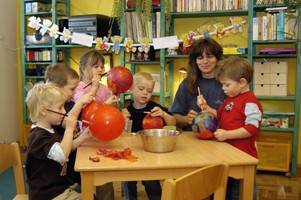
[
  {"x": 10, "y": 157},
  {"x": 198, "y": 184}
]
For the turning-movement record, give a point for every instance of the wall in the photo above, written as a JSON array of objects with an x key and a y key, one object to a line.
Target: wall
[{"x": 9, "y": 123}]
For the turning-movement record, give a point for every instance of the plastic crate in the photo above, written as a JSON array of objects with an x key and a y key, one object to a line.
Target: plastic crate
[{"x": 274, "y": 152}]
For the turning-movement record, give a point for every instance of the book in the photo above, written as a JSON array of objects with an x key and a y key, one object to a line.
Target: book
[
  {"x": 158, "y": 23},
  {"x": 255, "y": 28},
  {"x": 265, "y": 24},
  {"x": 280, "y": 25}
]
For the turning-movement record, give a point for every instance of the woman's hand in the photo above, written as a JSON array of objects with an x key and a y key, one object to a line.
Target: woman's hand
[
  {"x": 202, "y": 103},
  {"x": 190, "y": 116}
]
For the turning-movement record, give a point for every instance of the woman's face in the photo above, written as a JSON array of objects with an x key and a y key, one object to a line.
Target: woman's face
[{"x": 207, "y": 63}]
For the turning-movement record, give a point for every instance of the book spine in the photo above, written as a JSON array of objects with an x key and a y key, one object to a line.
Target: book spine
[
  {"x": 280, "y": 26},
  {"x": 255, "y": 28},
  {"x": 264, "y": 25}
]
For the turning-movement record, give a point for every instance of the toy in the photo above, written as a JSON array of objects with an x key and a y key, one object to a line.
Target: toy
[
  {"x": 90, "y": 109},
  {"x": 119, "y": 80},
  {"x": 150, "y": 122},
  {"x": 107, "y": 123},
  {"x": 204, "y": 125}
]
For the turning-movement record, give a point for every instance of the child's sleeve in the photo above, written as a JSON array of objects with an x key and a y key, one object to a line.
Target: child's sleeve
[
  {"x": 253, "y": 118},
  {"x": 79, "y": 92}
]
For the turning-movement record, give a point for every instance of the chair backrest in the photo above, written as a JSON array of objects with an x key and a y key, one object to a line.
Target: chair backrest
[
  {"x": 10, "y": 157},
  {"x": 198, "y": 184}
]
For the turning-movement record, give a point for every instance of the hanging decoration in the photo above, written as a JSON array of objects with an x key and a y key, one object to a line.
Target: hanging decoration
[{"x": 218, "y": 29}]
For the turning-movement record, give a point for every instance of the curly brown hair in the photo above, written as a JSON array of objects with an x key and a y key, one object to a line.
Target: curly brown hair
[{"x": 210, "y": 47}]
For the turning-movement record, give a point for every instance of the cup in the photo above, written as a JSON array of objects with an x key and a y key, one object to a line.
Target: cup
[{"x": 128, "y": 127}]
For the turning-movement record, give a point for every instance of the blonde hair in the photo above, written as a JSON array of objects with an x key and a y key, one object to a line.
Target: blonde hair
[
  {"x": 142, "y": 76},
  {"x": 46, "y": 94}
]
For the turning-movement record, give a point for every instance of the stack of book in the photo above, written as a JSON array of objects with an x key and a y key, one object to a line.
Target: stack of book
[{"x": 278, "y": 24}]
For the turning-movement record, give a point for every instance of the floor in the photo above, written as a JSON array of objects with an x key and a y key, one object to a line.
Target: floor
[{"x": 271, "y": 186}]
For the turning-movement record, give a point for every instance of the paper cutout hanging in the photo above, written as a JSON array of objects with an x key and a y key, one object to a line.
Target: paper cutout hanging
[{"x": 219, "y": 29}]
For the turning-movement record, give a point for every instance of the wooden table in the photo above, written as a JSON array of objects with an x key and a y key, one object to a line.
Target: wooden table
[{"x": 190, "y": 153}]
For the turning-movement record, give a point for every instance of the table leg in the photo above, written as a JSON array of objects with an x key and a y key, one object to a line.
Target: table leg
[
  {"x": 87, "y": 185},
  {"x": 247, "y": 183}
]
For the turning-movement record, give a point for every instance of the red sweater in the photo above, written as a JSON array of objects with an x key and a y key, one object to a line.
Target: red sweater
[{"x": 243, "y": 111}]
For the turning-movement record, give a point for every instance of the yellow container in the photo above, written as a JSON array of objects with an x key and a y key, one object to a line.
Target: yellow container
[{"x": 274, "y": 152}]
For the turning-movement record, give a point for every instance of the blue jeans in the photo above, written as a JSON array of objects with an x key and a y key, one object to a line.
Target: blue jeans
[
  {"x": 152, "y": 188},
  {"x": 233, "y": 188}
]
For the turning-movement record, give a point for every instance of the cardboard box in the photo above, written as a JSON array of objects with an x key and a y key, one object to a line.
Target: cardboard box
[
  {"x": 278, "y": 90},
  {"x": 262, "y": 89},
  {"x": 27, "y": 7},
  {"x": 38, "y": 7},
  {"x": 262, "y": 78},
  {"x": 278, "y": 78},
  {"x": 276, "y": 119},
  {"x": 270, "y": 78},
  {"x": 262, "y": 67},
  {"x": 235, "y": 50},
  {"x": 279, "y": 67}
]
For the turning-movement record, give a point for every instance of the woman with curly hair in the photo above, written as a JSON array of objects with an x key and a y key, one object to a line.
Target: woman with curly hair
[{"x": 203, "y": 58}]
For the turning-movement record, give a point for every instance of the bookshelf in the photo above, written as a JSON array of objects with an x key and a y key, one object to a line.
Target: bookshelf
[
  {"x": 159, "y": 62},
  {"x": 282, "y": 92},
  {"x": 286, "y": 144},
  {"x": 37, "y": 53}
]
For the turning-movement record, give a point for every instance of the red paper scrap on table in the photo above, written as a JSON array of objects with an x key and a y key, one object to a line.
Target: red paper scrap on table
[
  {"x": 117, "y": 155},
  {"x": 94, "y": 158}
]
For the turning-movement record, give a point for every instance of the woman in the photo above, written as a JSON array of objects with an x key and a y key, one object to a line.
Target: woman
[{"x": 203, "y": 57}]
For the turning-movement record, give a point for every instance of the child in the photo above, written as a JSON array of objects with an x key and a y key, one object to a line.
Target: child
[
  {"x": 47, "y": 152},
  {"x": 241, "y": 113},
  {"x": 67, "y": 79},
  {"x": 91, "y": 68},
  {"x": 142, "y": 88}
]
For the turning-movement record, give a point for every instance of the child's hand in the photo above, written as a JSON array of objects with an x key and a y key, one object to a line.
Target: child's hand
[
  {"x": 95, "y": 81},
  {"x": 156, "y": 111},
  {"x": 221, "y": 135},
  {"x": 202, "y": 103},
  {"x": 71, "y": 122},
  {"x": 190, "y": 116},
  {"x": 87, "y": 98},
  {"x": 112, "y": 100},
  {"x": 86, "y": 134},
  {"x": 125, "y": 113}
]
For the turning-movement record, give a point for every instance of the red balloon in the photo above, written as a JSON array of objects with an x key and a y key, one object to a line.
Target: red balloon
[
  {"x": 119, "y": 80},
  {"x": 150, "y": 122},
  {"x": 107, "y": 123},
  {"x": 90, "y": 109}
]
